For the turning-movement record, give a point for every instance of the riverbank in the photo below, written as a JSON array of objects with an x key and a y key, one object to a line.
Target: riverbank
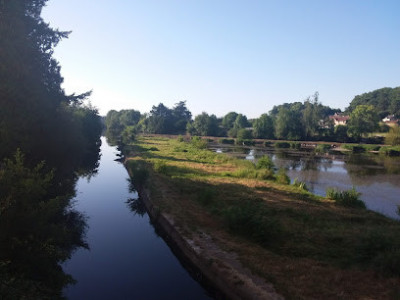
[{"x": 306, "y": 246}]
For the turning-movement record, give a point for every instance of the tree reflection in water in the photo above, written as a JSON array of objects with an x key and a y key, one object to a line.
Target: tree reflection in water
[{"x": 39, "y": 229}]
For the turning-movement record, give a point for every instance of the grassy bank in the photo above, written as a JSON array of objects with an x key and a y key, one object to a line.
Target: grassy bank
[{"x": 307, "y": 246}]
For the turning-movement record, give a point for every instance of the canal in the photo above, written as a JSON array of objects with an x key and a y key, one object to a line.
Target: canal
[{"x": 127, "y": 259}]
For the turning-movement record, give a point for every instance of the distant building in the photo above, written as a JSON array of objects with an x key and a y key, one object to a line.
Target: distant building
[
  {"x": 390, "y": 120},
  {"x": 339, "y": 119}
]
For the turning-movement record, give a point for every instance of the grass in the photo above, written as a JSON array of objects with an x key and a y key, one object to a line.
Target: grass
[
  {"x": 308, "y": 246},
  {"x": 349, "y": 198}
]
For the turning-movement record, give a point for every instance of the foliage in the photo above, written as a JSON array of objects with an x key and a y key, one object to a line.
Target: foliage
[
  {"x": 288, "y": 123},
  {"x": 322, "y": 148},
  {"x": 263, "y": 127},
  {"x": 340, "y": 133},
  {"x": 385, "y": 101},
  {"x": 204, "y": 125},
  {"x": 311, "y": 116},
  {"x": 281, "y": 177},
  {"x": 198, "y": 142},
  {"x": 300, "y": 184},
  {"x": 38, "y": 231},
  {"x": 349, "y": 198},
  {"x": 117, "y": 121},
  {"x": 393, "y": 137},
  {"x": 229, "y": 119},
  {"x": 164, "y": 120},
  {"x": 390, "y": 151},
  {"x": 36, "y": 115},
  {"x": 227, "y": 141},
  {"x": 244, "y": 134},
  {"x": 363, "y": 120},
  {"x": 265, "y": 162},
  {"x": 282, "y": 145}
]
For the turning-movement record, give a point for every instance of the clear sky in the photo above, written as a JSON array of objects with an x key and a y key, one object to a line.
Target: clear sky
[{"x": 222, "y": 56}]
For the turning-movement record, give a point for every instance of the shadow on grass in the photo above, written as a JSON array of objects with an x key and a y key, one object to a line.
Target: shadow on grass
[{"x": 339, "y": 237}]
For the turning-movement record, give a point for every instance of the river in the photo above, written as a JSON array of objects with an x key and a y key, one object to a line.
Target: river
[
  {"x": 376, "y": 177},
  {"x": 127, "y": 259}
]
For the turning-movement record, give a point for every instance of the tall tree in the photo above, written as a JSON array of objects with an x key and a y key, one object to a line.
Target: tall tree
[
  {"x": 229, "y": 119},
  {"x": 204, "y": 125},
  {"x": 312, "y": 115},
  {"x": 263, "y": 127},
  {"x": 36, "y": 115},
  {"x": 288, "y": 124},
  {"x": 363, "y": 119},
  {"x": 181, "y": 116}
]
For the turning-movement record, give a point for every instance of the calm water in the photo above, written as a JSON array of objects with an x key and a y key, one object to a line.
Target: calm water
[
  {"x": 127, "y": 259},
  {"x": 377, "y": 178}
]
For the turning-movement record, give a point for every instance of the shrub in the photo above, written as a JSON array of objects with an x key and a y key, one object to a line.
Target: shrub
[
  {"x": 295, "y": 145},
  {"x": 244, "y": 134},
  {"x": 282, "y": 145},
  {"x": 265, "y": 162},
  {"x": 268, "y": 144},
  {"x": 281, "y": 177},
  {"x": 265, "y": 174},
  {"x": 245, "y": 142},
  {"x": 390, "y": 151},
  {"x": 349, "y": 198},
  {"x": 393, "y": 137},
  {"x": 322, "y": 148},
  {"x": 198, "y": 142},
  {"x": 355, "y": 148},
  {"x": 180, "y": 138},
  {"x": 227, "y": 141},
  {"x": 300, "y": 184}
]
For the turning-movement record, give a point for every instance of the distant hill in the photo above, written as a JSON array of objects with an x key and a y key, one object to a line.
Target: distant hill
[{"x": 385, "y": 100}]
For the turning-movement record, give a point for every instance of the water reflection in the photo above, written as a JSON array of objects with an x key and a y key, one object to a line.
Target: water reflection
[
  {"x": 127, "y": 260},
  {"x": 376, "y": 177}
]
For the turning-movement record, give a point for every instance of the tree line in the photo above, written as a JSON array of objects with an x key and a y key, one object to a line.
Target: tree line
[
  {"x": 306, "y": 120},
  {"x": 47, "y": 139}
]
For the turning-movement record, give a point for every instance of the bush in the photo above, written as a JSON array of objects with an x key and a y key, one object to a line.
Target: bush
[
  {"x": 268, "y": 144},
  {"x": 198, "y": 142},
  {"x": 227, "y": 141},
  {"x": 265, "y": 174},
  {"x": 245, "y": 142},
  {"x": 393, "y": 137},
  {"x": 349, "y": 198},
  {"x": 282, "y": 145},
  {"x": 390, "y": 151},
  {"x": 265, "y": 162},
  {"x": 244, "y": 134},
  {"x": 322, "y": 148},
  {"x": 295, "y": 145},
  {"x": 300, "y": 184},
  {"x": 281, "y": 177}
]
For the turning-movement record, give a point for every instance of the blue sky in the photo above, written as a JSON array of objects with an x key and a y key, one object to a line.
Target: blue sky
[{"x": 222, "y": 56}]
